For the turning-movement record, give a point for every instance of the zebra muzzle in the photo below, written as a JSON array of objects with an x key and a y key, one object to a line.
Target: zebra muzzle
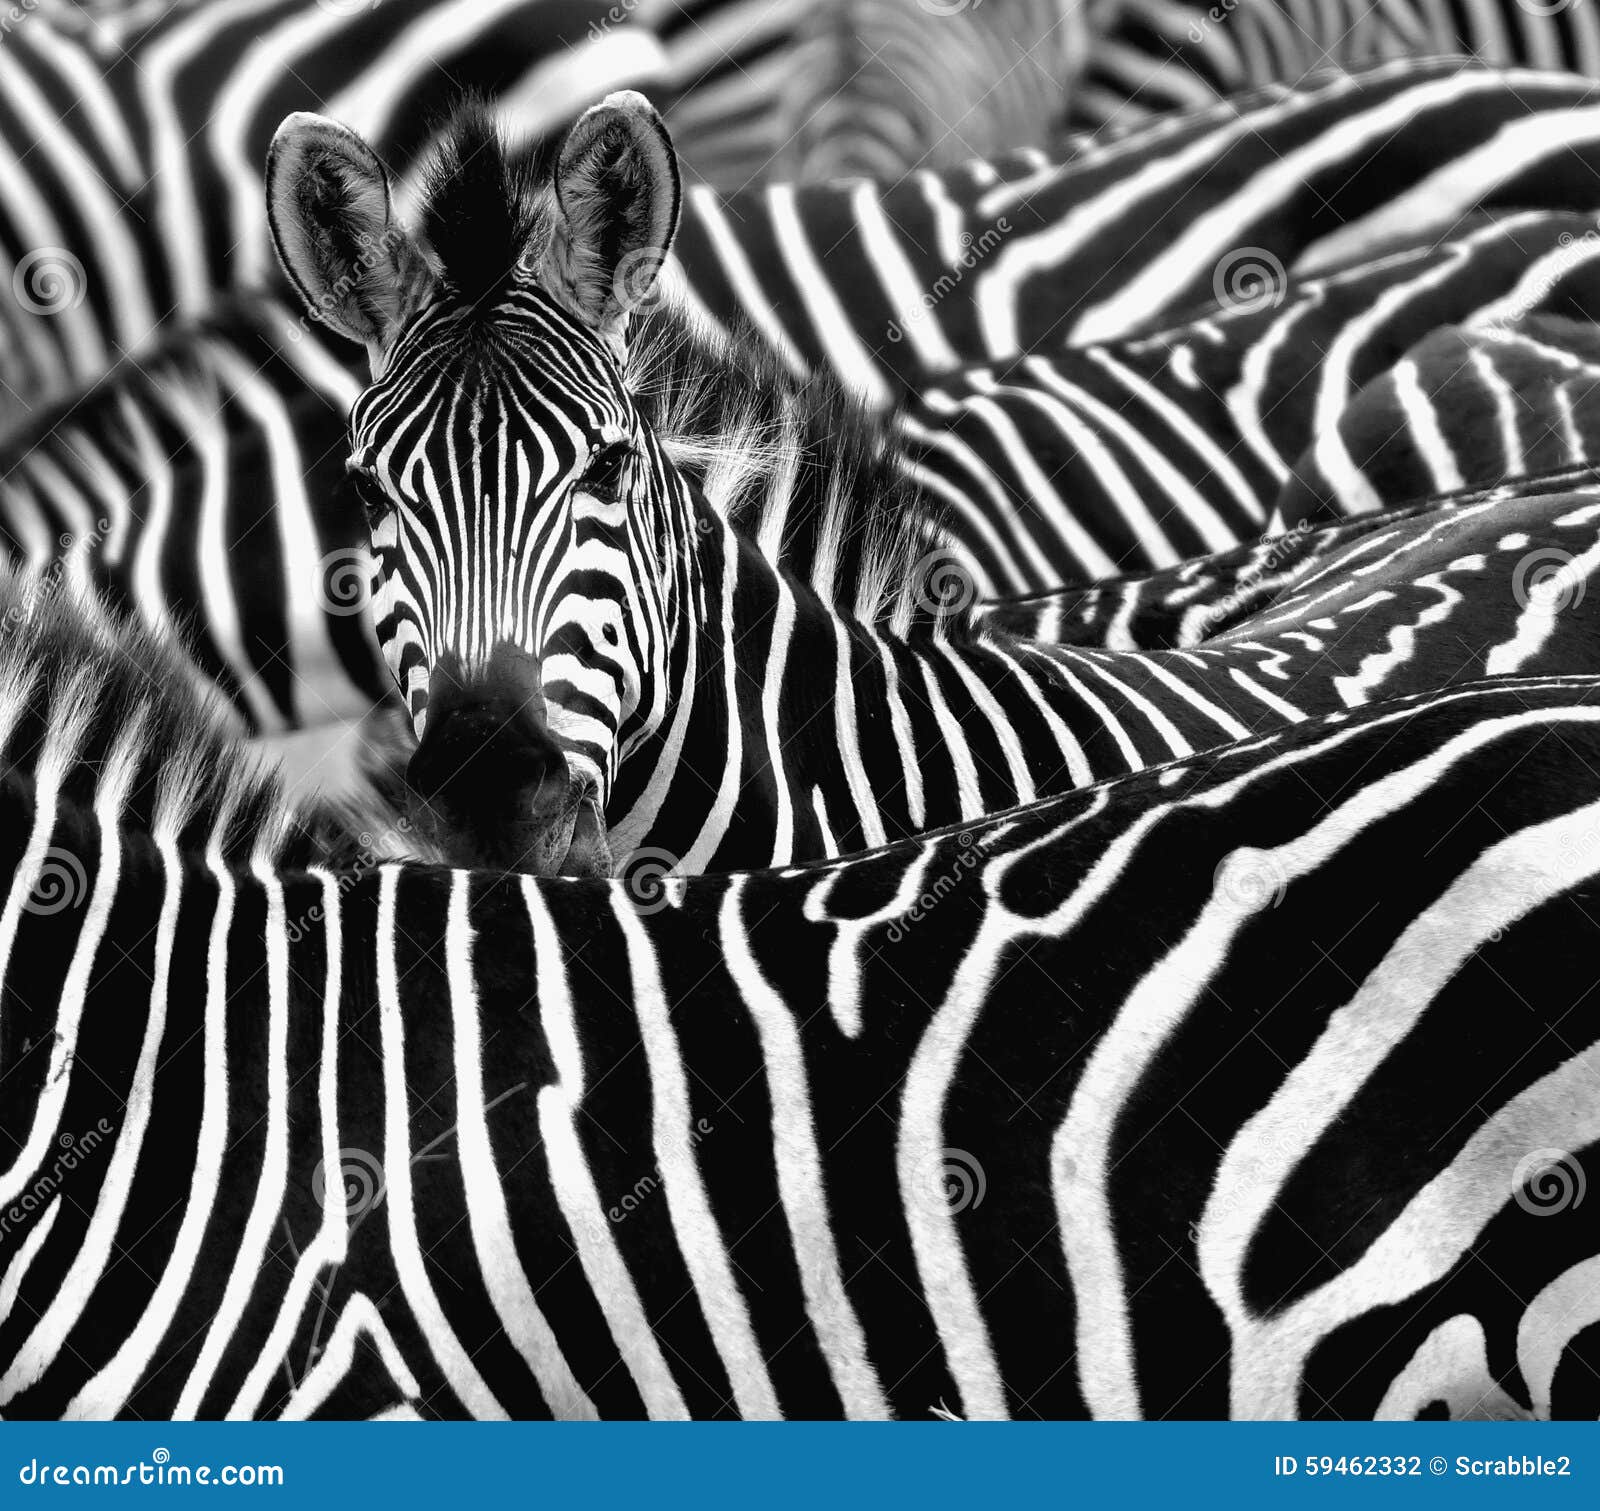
[{"x": 490, "y": 785}]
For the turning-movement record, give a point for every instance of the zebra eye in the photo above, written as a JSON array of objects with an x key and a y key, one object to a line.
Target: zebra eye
[
  {"x": 375, "y": 503},
  {"x": 605, "y": 473}
]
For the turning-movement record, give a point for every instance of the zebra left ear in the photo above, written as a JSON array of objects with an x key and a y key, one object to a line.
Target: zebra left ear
[
  {"x": 618, "y": 188},
  {"x": 333, "y": 223}
]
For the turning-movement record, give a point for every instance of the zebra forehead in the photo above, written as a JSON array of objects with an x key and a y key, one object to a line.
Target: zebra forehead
[{"x": 523, "y": 362}]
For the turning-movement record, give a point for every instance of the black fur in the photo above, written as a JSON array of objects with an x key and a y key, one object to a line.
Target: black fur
[{"x": 484, "y": 208}]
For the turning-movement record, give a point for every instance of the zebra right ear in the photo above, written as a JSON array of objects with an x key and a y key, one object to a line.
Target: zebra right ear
[
  {"x": 618, "y": 188},
  {"x": 336, "y": 232}
]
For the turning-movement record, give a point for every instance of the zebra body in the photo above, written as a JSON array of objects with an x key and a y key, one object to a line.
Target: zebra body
[
  {"x": 1426, "y": 368},
  {"x": 1502, "y": 397},
  {"x": 1147, "y": 57},
  {"x": 197, "y": 489},
  {"x": 1181, "y": 607},
  {"x": 298, "y": 1143}
]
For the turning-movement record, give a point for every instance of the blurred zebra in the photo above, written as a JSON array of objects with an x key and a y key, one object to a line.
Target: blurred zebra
[
  {"x": 1147, "y": 57},
  {"x": 113, "y": 227}
]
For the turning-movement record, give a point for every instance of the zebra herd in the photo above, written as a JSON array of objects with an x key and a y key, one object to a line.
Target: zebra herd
[{"x": 975, "y": 795}]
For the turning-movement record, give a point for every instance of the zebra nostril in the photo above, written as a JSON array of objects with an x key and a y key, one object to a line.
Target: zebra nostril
[{"x": 472, "y": 761}]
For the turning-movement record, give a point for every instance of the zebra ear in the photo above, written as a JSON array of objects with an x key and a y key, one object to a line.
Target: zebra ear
[
  {"x": 333, "y": 223},
  {"x": 618, "y": 188}
]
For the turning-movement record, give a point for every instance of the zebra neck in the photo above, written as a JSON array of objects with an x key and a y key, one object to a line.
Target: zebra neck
[{"x": 799, "y": 733}]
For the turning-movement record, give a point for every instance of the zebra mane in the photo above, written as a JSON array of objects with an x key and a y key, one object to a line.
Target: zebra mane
[
  {"x": 804, "y": 471},
  {"x": 484, "y": 209},
  {"x": 89, "y": 698}
]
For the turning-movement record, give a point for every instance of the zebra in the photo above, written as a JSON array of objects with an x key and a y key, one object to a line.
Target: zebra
[
  {"x": 1104, "y": 459},
  {"x": 1179, "y": 608},
  {"x": 299, "y": 655},
  {"x": 197, "y": 488},
  {"x": 1507, "y": 396},
  {"x": 976, "y": 263},
  {"x": 926, "y": 1144},
  {"x": 1034, "y": 252},
  {"x": 1148, "y": 57},
  {"x": 596, "y": 649}
]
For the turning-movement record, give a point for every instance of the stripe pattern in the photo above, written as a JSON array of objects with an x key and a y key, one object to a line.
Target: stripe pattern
[
  {"x": 1151, "y": 56},
  {"x": 306, "y": 1144},
  {"x": 800, "y": 725}
]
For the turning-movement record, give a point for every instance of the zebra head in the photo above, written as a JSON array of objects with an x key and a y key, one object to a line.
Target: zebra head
[{"x": 517, "y": 501}]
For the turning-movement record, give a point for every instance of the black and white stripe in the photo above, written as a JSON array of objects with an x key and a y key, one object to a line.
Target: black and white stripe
[
  {"x": 573, "y": 618},
  {"x": 300, "y": 1143}
]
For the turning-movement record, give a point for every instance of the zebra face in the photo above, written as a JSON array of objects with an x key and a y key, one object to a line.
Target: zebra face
[
  {"x": 520, "y": 597},
  {"x": 516, "y": 501}
]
